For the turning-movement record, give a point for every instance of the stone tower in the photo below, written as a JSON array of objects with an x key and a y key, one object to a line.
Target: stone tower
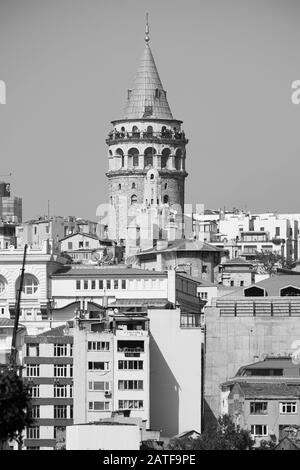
[{"x": 146, "y": 161}]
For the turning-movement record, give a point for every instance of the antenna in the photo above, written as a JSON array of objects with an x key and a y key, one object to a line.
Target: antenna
[{"x": 147, "y": 38}]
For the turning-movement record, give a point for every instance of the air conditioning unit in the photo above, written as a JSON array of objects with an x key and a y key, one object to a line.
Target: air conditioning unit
[{"x": 107, "y": 393}]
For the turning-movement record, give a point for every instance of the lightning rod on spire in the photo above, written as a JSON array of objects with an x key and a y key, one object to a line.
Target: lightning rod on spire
[{"x": 147, "y": 38}]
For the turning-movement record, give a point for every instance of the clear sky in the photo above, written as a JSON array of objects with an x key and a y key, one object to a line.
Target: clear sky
[{"x": 227, "y": 66}]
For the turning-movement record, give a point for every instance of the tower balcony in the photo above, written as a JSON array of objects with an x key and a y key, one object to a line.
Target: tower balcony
[{"x": 168, "y": 137}]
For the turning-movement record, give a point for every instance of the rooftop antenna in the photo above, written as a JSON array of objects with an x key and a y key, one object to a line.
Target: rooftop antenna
[{"x": 147, "y": 37}]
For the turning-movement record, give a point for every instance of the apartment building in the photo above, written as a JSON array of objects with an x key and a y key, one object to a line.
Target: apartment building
[
  {"x": 48, "y": 369},
  {"x": 264, "y": 397},
  {"x": 111, "y": 366},
  {"x": 244, "y": 326}
]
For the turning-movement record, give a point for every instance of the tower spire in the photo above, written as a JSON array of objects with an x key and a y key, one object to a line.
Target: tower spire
[{"x": 147, "y": 37}]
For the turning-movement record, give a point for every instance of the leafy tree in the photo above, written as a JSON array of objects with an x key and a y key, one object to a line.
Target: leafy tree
[
  {"x": 268, "y": 259},
  {"x": 225, "y": 435},
  {"x": 266, "y": 445},
  {"x": 15, "y": 407}
]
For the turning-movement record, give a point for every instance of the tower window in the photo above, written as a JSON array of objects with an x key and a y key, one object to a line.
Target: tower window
[
  {"x": 164, "y": 157},
  {"x": 133, "y": 199},
  {"x": 166, "y": 199},
  {"x": 119, "y": 186},
  {"x": 150, "y": 130},
  {"x": 152, "y": 176},
  {"x": 133, "y": 156},
  {"x": 166, "y": 185},
  {"x": 157, "y": 93},
  {"x": 148, "y": 154},
  {"x": 135, "y": 132},
  {"x": 133, "y": 186}
]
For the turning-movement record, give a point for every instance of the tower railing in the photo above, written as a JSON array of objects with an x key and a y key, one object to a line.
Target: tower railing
[{"x": 149, "y": 136}]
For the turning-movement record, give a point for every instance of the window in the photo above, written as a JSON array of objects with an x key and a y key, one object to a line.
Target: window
[
  {"x": 58, "y": 430},
  {"x": 130, "y": 385},
  {"x": 98, "y": 345},
  {"x": 232, "y": 283},
  {"x": 32, "y": 448},
  {"x": 203, "y": 295},
  {"x": 119, "y": 184},
  {"x": 71, "y": 370},
  {"x": 277, "y": 231},
  {"x": 204, "y": 269},
  {"x": 99, "y": 386},
  {"x": 70, "y": 245},
  {"x": 93, "y": 284},
  {"x": 35, "y": 391},
  {"x": 101, "y": 284},
  {"x": 259, "y": 430},
  {"x": 78, "y": 285},
  {"x": 133, "y": 199},
  {"x": 123, "y": 283},
  {"x": 148, "y": 156},
  {"x": 60, "y": 350},
  {"x": 242, "y": 283},
  {"x": 85, "y": 285},
  {"x": 258, "y": 407},
  {"x": 98, "y": 405},
  {"x": 71, "y": 411},
  {"x": 108, "y": 284},
  {"x": 71, "y": 391},
  {"x": 32, "y": 349},
  {"x": 87, "y": 244},
  {"x": 116, "y": 284},
  {"x": 166, "y": 199},
  {"x": 80, "y": 244},
  {"x": 288, "y": 407},
  {"x": 35, "y": 411},
  {"x": 60, "y": 370},
  {"x": 60, "y": 391},
  {"x": 33, "y": 432},
  {"x": 3, "y": 284},
  {"x": 98, "y": 365},
  {"x": 33, "y": 370},
  {"x": 130, "y": 365},
  {"x": 60, "y": 411},
  {"x": 130, "y": 404},
  {"x": 30, "y": 285},
  {"x": 133, "y": 186}
]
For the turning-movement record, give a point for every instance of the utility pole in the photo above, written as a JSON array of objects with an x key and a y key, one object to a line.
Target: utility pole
[{"x": 13, "y": 354}]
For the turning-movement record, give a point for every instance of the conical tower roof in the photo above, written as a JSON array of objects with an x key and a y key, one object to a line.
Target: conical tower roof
[{"x": 147, "y": 99}]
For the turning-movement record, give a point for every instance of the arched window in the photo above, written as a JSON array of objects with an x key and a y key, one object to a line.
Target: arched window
[
  {"x": 110, "y": 153},
  {"x": 3, "y": 284},
  {"x": 148, "y": 154},
  {"x": 30, "y": 284},
  {"x": 150, "y": 130},
  {"x": 152, "y": 176},
  {"x": 178, "y": 155},
  {"x": 133, "y": 199},
  {"x": 166, "y": 185},
  {"x": 135, "y": 131},
  {"x": 254, "y": 291},
  {"x": 289, "y": 291},
  {"x": 133, "y": 186},
  {"x": 164, "y": 157},
  {"x": 166, "y": 199},
  {"x": 133, "y": 155}
]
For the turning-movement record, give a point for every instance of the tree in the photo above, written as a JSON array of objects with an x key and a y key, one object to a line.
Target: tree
[
  {"x": 268, "y": 259},
  {"x": 224, "y": 435},
  {"x": 15, "y": 407}
]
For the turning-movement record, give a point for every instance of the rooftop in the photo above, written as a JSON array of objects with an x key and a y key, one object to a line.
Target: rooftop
[
  {"x": 254, "y": 390},
  {"x": 183, "y": 245},
  {"x": 118, "y": 270}
]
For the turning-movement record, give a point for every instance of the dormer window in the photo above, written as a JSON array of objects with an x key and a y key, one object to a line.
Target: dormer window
[{"x": 157, "y": 93}]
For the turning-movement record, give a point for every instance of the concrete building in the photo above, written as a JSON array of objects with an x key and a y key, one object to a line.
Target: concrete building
[
  {"x": 6, "y": 333},
  {"x": 245, "y": 325},
  {"x": 264, "y": 397},
  {"x": 36, "y": 295},
  {"x": 54, "y": 228},
  {"x": 103, "y": 436},
  {"x": 48, "y": 369},
  {"x": 198, "y": 259},
  {"x": 237, "y": 272},
  {"x": 146, "y": 162},
  {"x": 111, "y": 366}
]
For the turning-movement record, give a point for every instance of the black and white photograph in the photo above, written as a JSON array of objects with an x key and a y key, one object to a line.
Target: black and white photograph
[{"x": 149, "y": 228}]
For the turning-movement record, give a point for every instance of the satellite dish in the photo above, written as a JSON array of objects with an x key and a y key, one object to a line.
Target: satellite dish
[{"x": 95, "y": 256}]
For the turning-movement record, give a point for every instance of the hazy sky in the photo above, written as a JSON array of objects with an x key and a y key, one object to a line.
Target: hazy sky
[{"x": 227, "y": 66}]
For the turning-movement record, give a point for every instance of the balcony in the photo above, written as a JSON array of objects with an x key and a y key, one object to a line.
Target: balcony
[{"x": 166, "y": 137}]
